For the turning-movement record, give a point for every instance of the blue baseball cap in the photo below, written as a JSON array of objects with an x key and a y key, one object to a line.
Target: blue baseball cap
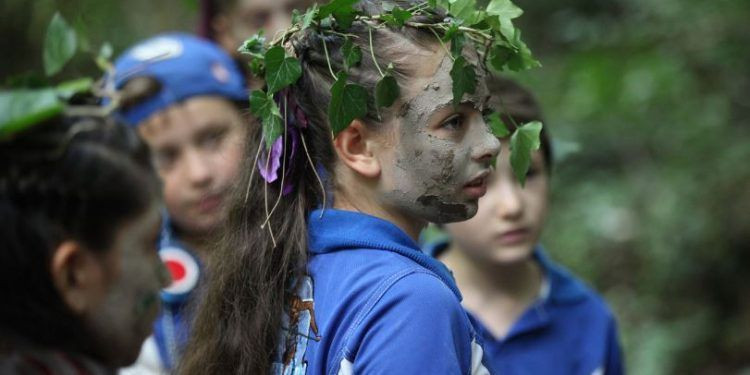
[{"x": 185, "y": 66}]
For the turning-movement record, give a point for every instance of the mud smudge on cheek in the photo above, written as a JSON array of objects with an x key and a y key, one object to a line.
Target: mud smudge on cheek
[{"x": 446, "y": 211}]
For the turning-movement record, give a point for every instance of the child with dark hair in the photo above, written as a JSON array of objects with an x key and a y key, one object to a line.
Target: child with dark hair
[
  {"x": 79, "y": 223},
  {"x": 328, "y": 277},
  {"x": 187, "y": 99},
  {"x": 535, "y": 317}
]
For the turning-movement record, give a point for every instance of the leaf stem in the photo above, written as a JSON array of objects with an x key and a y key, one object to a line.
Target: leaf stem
[
  {"x": 283, "y": 165},
  {"x": 328, "y": 60},
  {"x": 252, "y": 170},
  {"x": 312, "y": 165},
  {"x": 372, "y": 53},
  {"x": 447, "y": 51}
]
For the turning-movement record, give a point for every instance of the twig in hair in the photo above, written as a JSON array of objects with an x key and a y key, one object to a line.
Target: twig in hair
[
  {"x": 372, "y": 53},
  {"x": 252, "y": 171},
  {"x": 265, "y": 199},
  {"x": 312, "y": 165},
  {"x": 328, "y": 60},
  {"x": 283, "y": 165}
]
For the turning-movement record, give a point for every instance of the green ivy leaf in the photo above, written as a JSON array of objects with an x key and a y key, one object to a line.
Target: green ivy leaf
[
  {"x": 341, "y": 10},
  {"x": 334, "y": 6},
  {"x": 296, "y": 17},
  {"x": 257, "y": 67},
  {"x": 67, "y": 89},
  {"x": 21, "y": 109},
  {"x": 451, "y": 31},
  {"x": 352, "y": 54},
  {"x": 522, "y": 59},
  {"x": 524, "y": 141},
  {"x": 386, "y": 91},
  {"x": 254, "y": 46},
  {"x": 59, "y": 45},
  {"x": 457, "y": 44},
  {"x": 348, "y": 102},
  {"x": 281, "y": 71},
  {"x": 505, "y": 12},
  {"x": 504, "y": 9},
  {"x": 264, "y": 107},
  {"x": 464, "y": 10},
  {"x": 397, "y": 17},
  {"x": 464, "y": 79},
  {"x": 309, "y": 16},
  {"x": 498, "y": 127},
  {"x": 499, "y": 56}
]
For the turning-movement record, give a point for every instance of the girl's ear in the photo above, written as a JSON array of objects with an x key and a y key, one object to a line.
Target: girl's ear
[
  {"x": 356, "y": 146},
  {"x": 78, "y": 275}
]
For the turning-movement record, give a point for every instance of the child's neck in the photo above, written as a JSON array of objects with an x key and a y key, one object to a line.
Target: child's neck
[
  {"x": 412, "y": 227},
  {"x": 497, "y": 293}
]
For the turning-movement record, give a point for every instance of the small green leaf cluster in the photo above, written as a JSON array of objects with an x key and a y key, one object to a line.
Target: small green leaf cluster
[
  {"x": 488, "y": 27},
  {"x": 23, "y": 108},
  {"x": 523, "y": 141}
]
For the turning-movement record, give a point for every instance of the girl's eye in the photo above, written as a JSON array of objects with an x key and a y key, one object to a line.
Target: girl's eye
[{"x": 454, "y": 122}]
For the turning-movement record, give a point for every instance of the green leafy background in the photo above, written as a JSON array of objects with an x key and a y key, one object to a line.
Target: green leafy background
[{"x": 648, "y": 104}]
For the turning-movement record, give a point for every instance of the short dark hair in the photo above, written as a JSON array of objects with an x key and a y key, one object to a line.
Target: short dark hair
[
  {"x": 77, "y": 178},
  {"x": 517, "y": 103}
]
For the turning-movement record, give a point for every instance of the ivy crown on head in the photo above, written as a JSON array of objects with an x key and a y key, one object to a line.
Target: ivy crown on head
[{"x": 488, "y": 25}]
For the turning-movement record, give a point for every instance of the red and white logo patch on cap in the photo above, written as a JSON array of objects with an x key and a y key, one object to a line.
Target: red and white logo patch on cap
[{"x": 183, "y": 268}]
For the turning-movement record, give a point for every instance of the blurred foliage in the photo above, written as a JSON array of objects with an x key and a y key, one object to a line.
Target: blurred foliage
[{"x": 647, "y": 103}]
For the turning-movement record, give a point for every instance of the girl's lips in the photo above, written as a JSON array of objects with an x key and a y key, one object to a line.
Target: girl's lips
[
  {"x": 209, "y": 203},
  {"x": 513, "y": 237},
  {"x": 476, "y": 191},
  {"x": 477, "y": 187}
]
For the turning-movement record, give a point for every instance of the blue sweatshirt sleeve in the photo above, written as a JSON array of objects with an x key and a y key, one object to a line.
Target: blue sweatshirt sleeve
[
  {"x": 417, "y": 326},
  {"x": 614, "y": 365}
]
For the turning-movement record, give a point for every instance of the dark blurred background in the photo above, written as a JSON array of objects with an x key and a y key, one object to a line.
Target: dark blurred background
[{"x": 647, "y": 101}]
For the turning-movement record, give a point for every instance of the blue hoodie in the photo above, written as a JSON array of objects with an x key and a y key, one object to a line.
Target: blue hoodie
[
  {"x": 568, "y": 330},
  {"x": 373, "y": 303}
]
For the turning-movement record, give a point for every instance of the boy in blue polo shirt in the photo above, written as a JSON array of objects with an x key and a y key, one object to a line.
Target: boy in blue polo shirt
[
  {"x": 187, "y": 99},
  {"x": 535, "y": 317}
]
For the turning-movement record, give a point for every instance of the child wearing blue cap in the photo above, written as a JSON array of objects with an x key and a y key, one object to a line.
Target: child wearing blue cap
[
  {"x": 187, "y": 99},
  {"x": 535, "y": 317}
]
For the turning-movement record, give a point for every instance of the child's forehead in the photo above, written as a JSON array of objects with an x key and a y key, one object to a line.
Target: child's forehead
[{"x": 189, "y": 116}]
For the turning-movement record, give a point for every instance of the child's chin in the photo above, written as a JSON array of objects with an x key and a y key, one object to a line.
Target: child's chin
[{"x": 443, "y": 213}]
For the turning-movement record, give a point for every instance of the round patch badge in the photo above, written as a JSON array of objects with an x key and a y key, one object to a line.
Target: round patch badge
[
  {"x": 220, "y": 72},
  {"x": 184, "y": 270}
]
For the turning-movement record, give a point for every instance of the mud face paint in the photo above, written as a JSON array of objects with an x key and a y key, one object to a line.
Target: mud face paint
[
  {"x": 125, "y": 317},
  {"x": 440, "y": 149}
]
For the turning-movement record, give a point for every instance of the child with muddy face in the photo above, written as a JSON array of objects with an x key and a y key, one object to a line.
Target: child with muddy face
[
  {"x": 80, "y": 274},
  {"x": 319, "y": 270}
]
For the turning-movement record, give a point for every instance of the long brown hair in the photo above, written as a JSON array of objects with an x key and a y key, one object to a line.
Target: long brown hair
[{"x": 237, "y": 326}]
